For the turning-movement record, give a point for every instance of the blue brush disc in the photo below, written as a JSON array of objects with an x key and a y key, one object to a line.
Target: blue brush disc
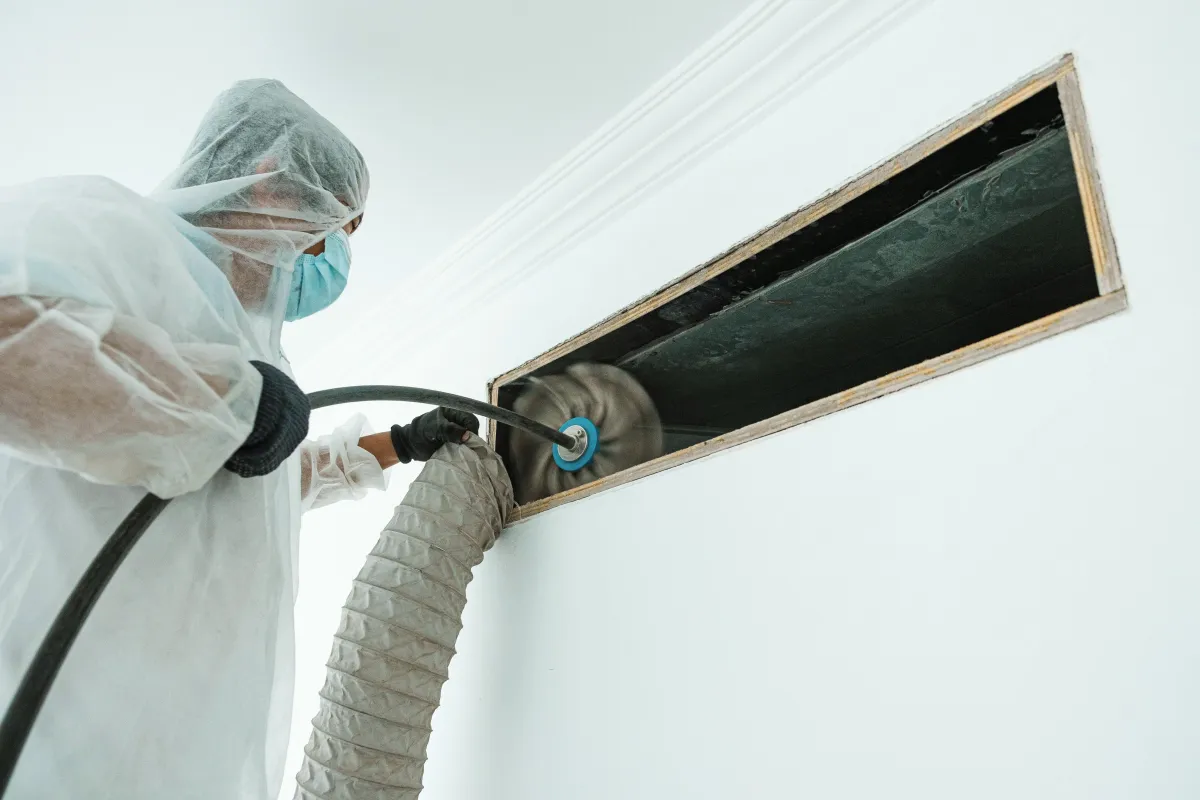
[{"x": 564, "y": 460}]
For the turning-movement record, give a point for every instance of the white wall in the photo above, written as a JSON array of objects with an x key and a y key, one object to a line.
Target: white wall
[{"x": 986, "y": 586}]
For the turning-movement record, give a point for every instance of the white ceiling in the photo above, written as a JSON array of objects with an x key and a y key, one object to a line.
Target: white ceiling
[{"x": 456, "y": 105}]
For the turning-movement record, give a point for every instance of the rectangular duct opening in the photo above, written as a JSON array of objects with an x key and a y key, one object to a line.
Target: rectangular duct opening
[{"x": 983, "y": 235}]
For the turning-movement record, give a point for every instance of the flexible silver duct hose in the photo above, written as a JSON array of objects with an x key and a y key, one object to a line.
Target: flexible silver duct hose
[{"x": 398, "y": 629}]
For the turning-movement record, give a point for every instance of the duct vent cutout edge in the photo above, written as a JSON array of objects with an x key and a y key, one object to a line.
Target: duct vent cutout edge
[{"x": 987, "y": 235}]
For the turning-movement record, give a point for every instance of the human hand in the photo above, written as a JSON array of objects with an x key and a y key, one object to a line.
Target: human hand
[{"x": 421, "y": 438}]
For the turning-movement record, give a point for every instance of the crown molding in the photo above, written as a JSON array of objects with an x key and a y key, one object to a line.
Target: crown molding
[{"x": 737, "y": 78}]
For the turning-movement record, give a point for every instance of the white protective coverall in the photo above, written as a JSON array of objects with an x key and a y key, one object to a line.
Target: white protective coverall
[{"x": 126, "y": 328}]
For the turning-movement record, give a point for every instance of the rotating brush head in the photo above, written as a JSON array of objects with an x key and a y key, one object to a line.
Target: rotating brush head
[{"x": 618, "y": 418}]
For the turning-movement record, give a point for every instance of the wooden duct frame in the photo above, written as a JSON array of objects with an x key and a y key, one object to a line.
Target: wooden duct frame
[{"x": 1111, "y": 299}]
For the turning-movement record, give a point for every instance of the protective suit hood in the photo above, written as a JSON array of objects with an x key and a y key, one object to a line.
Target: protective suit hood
[{"x": 264, "y": 178}]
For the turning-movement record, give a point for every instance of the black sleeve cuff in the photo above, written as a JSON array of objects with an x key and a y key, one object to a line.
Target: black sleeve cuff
[
  {"x": 280, "y": 425},
  {"x": 400, "y": 444}
]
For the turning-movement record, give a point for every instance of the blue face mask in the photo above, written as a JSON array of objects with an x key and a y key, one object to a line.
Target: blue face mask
[{"x": 318, "y": 280}]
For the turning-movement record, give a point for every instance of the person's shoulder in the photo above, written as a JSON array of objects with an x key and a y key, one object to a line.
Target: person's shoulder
[
  {"x": 66, "y": 187},
  {"x": 88, "y": 237},
  {"x": 73, "y": 201}
]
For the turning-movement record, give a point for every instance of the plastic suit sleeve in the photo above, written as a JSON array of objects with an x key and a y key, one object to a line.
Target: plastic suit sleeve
[
  {"x": 113, "y": 398},
  {"x": 334, "y": 467}
]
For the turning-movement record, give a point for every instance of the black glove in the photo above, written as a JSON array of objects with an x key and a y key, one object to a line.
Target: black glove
[
  {"x": 424, "y": 435},
  {"x": 280, "y": 425}
]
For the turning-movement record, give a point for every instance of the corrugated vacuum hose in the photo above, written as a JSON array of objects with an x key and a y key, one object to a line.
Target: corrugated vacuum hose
[
  {"x": 575, "y": 444},
  {"x": 398, "y": 629}
]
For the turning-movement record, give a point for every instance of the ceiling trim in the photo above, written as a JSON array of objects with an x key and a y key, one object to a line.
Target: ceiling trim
[{"x": 756, "y": 63}]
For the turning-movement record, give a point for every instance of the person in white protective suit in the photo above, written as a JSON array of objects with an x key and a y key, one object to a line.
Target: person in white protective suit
[{"x": 139, "y": 350}]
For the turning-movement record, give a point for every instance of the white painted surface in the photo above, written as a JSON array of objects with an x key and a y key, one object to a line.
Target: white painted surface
[{"x": 986, "y": 586}]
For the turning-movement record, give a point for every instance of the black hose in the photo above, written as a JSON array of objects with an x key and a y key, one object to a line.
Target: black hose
[
  {"x": 410, "y": 394},
  {"x": 48, "y": 660},
  {"x": 35, "y": 684}
]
